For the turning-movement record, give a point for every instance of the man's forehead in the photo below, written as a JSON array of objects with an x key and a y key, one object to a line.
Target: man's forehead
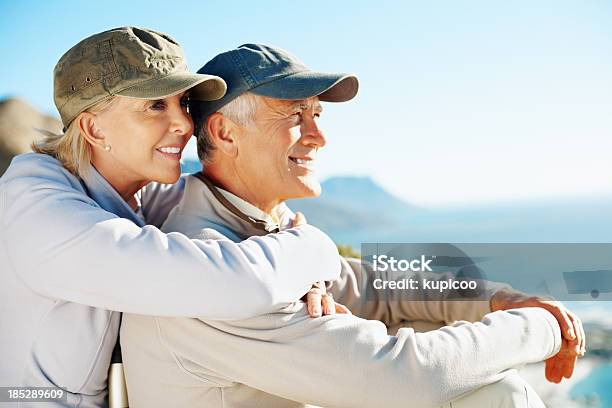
[{"x": 296, "y": 103}]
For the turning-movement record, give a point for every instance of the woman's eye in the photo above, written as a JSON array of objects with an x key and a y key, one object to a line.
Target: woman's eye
[
  {"x": 185, "y": 103},
  {"x": 158, "y": 105},
  {"x": 317, "y": 115}
]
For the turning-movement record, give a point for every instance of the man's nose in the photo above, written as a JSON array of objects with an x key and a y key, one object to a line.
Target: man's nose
[{"x": 311, "y": 133}]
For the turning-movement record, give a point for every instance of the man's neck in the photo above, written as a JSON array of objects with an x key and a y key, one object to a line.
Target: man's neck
[
  {"x": 232, "y": 184},
  {"x": 280, "y": 218}
]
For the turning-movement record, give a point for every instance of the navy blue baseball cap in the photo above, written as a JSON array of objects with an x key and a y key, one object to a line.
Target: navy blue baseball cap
[{"x": 272, "y": 72}]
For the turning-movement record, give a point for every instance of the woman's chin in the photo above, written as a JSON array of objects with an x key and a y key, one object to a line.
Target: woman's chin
[{"x": 168, "y": 177}]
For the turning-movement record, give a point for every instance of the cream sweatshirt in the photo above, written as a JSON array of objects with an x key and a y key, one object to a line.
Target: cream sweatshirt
[{"x": 288, "y": 359}]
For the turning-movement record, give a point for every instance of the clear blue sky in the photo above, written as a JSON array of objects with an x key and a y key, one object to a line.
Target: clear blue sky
[{"x": 460, "y": 101}]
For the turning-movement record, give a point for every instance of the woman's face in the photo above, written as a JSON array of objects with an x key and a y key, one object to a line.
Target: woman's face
[{"x": 146, "y": 139}]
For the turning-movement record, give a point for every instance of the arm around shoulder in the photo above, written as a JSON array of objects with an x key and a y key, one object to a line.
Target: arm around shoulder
[{"x": 64, "y": 246}]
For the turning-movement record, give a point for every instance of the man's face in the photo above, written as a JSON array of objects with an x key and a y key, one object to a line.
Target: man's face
[{"x": 277, "y": 151}]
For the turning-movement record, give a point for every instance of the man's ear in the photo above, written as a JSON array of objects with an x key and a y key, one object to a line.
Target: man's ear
[
  {"x": 89, "y": 130},
  {"x": 222, "y": 132}
]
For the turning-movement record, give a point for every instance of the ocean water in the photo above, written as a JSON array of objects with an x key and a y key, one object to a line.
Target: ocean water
[{"x": 596, "y": 389}]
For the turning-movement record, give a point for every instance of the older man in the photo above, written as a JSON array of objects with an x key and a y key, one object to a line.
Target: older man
[{"x": 258, "y": 145}]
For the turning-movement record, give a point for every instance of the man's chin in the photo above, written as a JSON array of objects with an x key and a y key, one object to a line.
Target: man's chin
[
  {"x": 308, "y": 189},
  {"x": 312, "y": 191}
]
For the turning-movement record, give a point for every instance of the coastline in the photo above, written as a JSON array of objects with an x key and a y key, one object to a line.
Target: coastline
[{"x": 558, "y": 395}]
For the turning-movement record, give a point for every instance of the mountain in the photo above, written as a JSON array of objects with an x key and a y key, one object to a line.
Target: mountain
[
  {"x": 351, "y": 204},
  {"x": 355, "y": 210},
  {"x": 18, "y": 124},
  {"x": 363, "y": 195}
]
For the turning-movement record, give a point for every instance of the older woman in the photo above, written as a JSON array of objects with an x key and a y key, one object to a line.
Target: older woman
[{"x": 74, "y": 247}]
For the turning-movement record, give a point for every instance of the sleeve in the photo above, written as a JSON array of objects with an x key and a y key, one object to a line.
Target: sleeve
[
  {"x": 350, "y": 362},
  {"x": 63, "y": 246},
  {"x": 159, "y": 199},
  {"x": 351, "y": 288}
]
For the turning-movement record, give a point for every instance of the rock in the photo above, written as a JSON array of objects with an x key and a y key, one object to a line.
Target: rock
[{"x": 18, "y": 124}]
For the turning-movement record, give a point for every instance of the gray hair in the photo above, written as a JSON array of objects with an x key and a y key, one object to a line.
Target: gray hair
[{"x": 240, "y": 111}]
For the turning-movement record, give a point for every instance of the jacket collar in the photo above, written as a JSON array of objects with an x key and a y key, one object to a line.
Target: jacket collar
[
  {"x": 107, "y": 197},
  {"x": 249, "y": 217},
  {"x": 272, "y": 220}
]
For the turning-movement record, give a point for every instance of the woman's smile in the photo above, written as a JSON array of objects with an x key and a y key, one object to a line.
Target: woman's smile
[{"x": 170, "y": 152}]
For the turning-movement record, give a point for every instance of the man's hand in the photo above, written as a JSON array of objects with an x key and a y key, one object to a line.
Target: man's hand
[
  {"x": 317, "y": 299},
  {"x": 573, "y": 338},
  {"x": 561, "y": 364}
]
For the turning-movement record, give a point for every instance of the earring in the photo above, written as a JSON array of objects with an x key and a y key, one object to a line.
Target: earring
[{"x": 107, "y": 148}]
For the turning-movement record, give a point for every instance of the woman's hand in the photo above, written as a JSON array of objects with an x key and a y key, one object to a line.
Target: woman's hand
[
  {"x": 318, "y": 301},
  {"x": 298, "y": 220}
]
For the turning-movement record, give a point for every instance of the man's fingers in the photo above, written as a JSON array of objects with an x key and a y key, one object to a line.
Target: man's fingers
[
  {"x": 568, "y": 326},
  {"x": 547, "y": 366},
  {"x": 583, "y": 336},
  {"x": 565, "y": 323},
  {"x": 328, "y": 304},
  {"x": 579, "y": 329},
  {"x": 556, "y": 366},
  {"x": 548, "y": 369},
  {"x": 568, "y": 366},
  {"x": 342, "y": 309},
  {"x": 298, "y": 220},
  {"x": 556, "y": 370}
]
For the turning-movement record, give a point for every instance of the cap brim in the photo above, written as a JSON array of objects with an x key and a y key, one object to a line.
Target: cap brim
[
  {"x": 202, "y": 87},
  {"x": 306, "y": 84}
]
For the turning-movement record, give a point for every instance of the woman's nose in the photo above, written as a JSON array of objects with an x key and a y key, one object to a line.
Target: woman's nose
[{"x": 181, "y": 120}]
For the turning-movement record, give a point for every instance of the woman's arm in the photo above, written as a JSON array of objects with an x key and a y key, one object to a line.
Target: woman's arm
[{"x": 64, "y": 246}]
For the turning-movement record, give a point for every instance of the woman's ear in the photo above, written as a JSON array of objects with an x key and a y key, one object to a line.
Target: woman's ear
[
  {"x": 222, "y": 132},
  {"x": 91, "y": 131}
]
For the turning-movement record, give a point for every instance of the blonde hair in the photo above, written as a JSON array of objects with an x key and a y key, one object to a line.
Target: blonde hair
[{"x": 71, "y": 148}]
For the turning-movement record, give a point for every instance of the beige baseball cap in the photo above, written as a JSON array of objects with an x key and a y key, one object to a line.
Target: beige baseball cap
[{"x": 127, "y": 61}]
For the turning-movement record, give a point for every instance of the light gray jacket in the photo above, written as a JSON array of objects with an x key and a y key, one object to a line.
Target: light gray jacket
[
  {"x": 72, "y": 253},
  {"x": 287, "y": 359}
]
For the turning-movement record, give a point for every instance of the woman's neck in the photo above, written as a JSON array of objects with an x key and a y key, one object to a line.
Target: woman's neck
[{"x": 125, "y": 186}]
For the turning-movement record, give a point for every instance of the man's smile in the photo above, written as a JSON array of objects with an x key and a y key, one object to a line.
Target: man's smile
[{"x": 304, "y": 162}]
